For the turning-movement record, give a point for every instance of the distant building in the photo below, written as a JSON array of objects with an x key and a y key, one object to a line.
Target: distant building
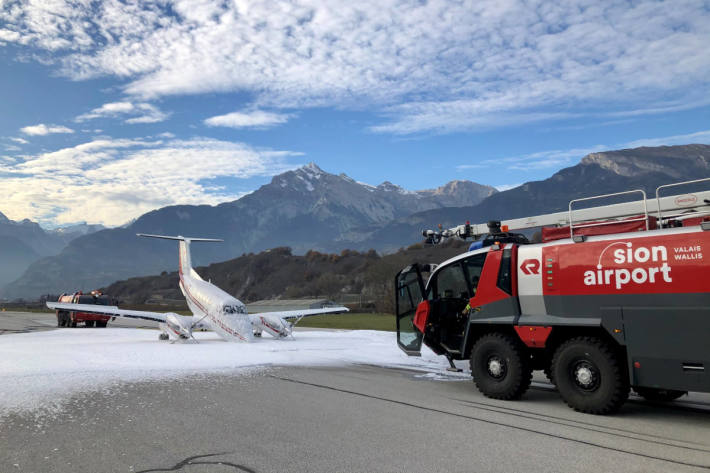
[{"x": 276, "y": 305}]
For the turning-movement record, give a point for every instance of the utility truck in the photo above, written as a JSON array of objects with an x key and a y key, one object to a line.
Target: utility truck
[
  {"x": 614, "y": 297},
  {"x": 70, "y": 318}
]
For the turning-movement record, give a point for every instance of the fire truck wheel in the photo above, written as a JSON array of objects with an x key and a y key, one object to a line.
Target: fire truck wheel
[
  {"x": 500, "y": 367},
  {"x": 89, "y": 323},
  {"x": 548, "y": 373},
  {"x": 589, "y": 376},
  {"x": 659, "y": 395},
  {"x": 100, "y": 324}
]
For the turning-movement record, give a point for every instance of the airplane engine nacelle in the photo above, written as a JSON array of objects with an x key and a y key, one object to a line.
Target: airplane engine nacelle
[
  {"x": 273, "y": 325},
  {"x": 177, "y": 328}
]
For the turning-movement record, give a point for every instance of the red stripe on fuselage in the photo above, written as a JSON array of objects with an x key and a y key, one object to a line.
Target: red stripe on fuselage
[{"x": 207, "y": 312}]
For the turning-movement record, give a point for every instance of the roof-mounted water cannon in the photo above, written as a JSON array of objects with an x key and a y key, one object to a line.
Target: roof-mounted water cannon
[{"x": 435, "y": 237}]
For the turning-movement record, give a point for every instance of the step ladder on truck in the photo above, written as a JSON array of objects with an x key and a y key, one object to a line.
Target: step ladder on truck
[{"x": 614, "y": 297}]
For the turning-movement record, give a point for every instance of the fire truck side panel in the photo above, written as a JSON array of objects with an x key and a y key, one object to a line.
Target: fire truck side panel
[
  {"x": 650, "y": 291},
  {"x": 491, "y": 303},
  {"x": 530, "y": 280},
  {"x": 668, "y": 346}
]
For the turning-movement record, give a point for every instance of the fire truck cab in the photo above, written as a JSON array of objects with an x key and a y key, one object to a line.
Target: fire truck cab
[{"x": 600, "y": 307}]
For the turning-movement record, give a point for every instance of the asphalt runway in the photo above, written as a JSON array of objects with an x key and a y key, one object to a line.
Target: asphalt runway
[{"x": 348, "y": 419}]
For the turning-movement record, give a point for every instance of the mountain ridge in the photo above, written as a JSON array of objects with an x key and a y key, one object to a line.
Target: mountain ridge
[
  {"x": 310, "y": 209},
  {"x": 306, "y": 209}
]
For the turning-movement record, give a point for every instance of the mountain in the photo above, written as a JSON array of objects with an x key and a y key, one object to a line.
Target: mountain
[
  {"x": 32, "y": 235},
  {"x": 70, "y": 232},
  {"x": 15, "y": 256},
  {"x": 24, "y": 242},
  {"x": 598, "y": 173},
  {"x": 305, "y": 209},
  {"x": 311, "y": 209},
  {"x": 21, "y": 244}
]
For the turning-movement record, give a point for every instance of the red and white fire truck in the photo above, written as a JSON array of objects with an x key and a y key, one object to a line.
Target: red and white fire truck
[
  {"x": 72, "y": 318},
  {"x": 614, "y": 297}
]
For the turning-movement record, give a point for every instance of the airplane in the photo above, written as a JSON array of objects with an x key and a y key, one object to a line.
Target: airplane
[{"x": 211, "y": 307}]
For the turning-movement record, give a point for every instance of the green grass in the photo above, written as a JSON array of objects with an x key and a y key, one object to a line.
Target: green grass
[{"x": 351, "y": 321}]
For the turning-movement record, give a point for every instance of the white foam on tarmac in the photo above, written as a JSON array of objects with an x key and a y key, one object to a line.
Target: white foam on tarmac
[{"x": 43, "y": 369}]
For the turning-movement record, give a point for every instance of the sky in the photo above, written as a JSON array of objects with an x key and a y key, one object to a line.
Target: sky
[{"x": 110, "y": 109}]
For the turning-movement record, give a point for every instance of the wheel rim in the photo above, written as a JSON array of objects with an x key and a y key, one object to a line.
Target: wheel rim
[
  {"x": 496, "y": 367},
  {"x": 585, "y": 375}
]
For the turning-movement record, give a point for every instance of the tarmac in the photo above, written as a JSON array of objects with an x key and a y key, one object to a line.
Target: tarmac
[{"x": 348, "y": 419}]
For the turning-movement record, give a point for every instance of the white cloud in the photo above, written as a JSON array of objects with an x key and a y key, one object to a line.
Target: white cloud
[
  {"x": 429, "y": 66},
  {"x": 251, "y": 119},
  {"x": 111, "y": 181},
  {"x": 21, "y": 141},
  {"x": 466, "y": 167},
  {"x": 142, "y": 112},
  {"x": 42, "y": 129},
  {"x": 9, "y": 36},
  {"x": 507, "y": 187},
  {"x": 702, "y": 137},
  {"x": 557, "y": 158}
]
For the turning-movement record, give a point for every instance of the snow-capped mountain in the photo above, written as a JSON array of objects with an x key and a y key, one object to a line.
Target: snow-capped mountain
[
  {"x": 70, "y": 232},
  {"x": 306, "y": 208}
]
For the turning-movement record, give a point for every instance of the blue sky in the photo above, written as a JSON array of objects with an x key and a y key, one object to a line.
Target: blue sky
[{"x": 111, "y": 109}]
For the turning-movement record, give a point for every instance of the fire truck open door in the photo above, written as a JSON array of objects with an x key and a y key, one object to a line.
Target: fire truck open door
[{"x": 409, "y": 290}]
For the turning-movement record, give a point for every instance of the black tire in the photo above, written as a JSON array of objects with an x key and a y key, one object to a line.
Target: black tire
[
  {"x": 60, "y": 321},
  {"x": 163, "y": 336},
  {"x": 548, "y": 373},
  {"x": 589, "y": 376},
  {"x": 89, "y": 323},
  {"x": 100, "y": 324},
  {"x": 659, "y": 395},
  {"x": 500, "y": 366}
]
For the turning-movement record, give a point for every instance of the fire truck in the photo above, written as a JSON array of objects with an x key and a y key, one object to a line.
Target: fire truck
[
  {"x": 71, "y": 318},
  {"x": 614, "y": 297}
]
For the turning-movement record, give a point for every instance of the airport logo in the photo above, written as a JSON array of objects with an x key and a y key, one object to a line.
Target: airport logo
[
  {"x": 642, "y": 265},
  {"x": 530, "y": 267}
]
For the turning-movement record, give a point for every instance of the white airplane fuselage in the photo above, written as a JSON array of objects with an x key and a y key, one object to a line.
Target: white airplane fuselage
[
  {"x": 224, "y": 314},
  {"x": 207, "y": 303}
]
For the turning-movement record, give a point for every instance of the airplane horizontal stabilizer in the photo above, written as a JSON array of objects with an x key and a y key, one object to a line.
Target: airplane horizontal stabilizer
[{"x": 179, "y": 237}]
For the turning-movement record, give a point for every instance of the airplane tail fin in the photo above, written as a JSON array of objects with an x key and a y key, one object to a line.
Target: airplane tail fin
[{"x": 184, "y": 248}]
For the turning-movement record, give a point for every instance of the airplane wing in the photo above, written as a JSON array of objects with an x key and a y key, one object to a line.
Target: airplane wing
[
  {"x": 108, "y": 310},
  {"x": 299, "y": 314}
]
